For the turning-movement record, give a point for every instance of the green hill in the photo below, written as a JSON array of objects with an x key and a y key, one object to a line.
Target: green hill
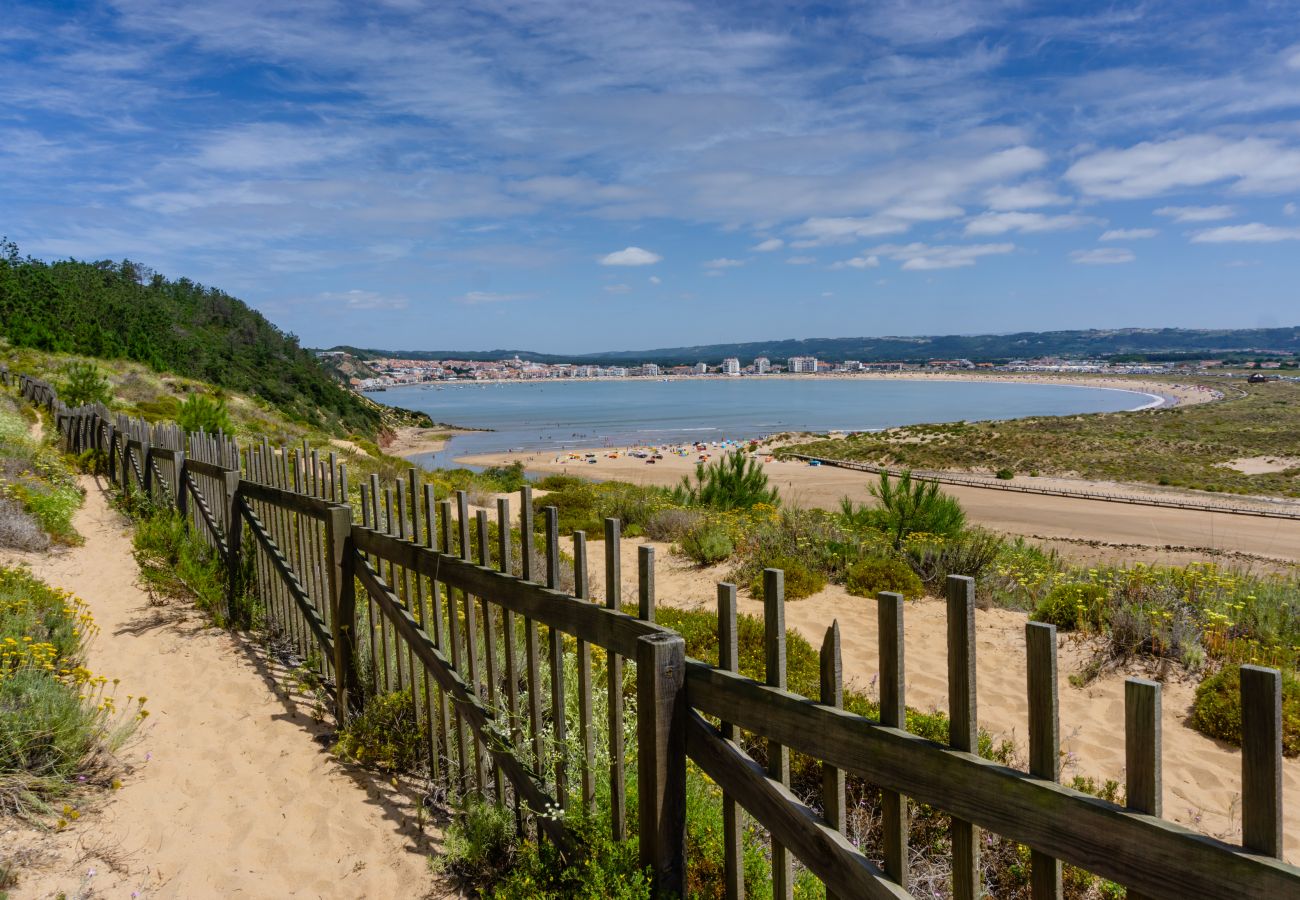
[{"x": 124, "y": 311}]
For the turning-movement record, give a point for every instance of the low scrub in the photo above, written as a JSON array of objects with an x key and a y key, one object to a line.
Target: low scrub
[
  {"x": 386, "y": 734},
  {"x": 801, "y": 580},
  {"x": 868, "y": 577},
  {"x": 1217, "y": 708},
  {"x": 60, "y": 725},
  {"x": 175, "y": 563},
  {"x": 707, "y": 544},
  {"x": 38, "y": 489},
  {"x": 733, "y": 481}
]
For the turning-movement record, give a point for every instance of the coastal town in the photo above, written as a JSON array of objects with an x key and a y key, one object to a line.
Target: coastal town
[{"x": 378, "y": 374}]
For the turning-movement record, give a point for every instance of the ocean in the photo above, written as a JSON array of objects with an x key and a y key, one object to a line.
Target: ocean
[{"x": 619, "y": 413}]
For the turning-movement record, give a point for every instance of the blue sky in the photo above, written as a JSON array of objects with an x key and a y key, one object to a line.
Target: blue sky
[{"x": 570, "y": 176}]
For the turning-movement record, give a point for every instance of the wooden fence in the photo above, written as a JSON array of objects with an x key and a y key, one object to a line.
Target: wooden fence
[{"x": 401, "y": 591}]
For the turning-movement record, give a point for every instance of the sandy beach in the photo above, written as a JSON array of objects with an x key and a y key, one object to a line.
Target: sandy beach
[{"x": 413, "y": 441}]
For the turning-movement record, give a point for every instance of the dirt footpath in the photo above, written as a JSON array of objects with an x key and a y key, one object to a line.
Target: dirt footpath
[{"x": 232, "y": 790}]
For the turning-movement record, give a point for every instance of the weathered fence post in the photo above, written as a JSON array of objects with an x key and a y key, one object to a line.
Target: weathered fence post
[
  {"x": 661, "y": 758},
  {"x": 179, "y": 488},
  {"x": 1261, "y": 760},
  {"x": 343, "y": 607},
  {"x": 146, "y": 462},
  {"x": 234, "y": 533}
]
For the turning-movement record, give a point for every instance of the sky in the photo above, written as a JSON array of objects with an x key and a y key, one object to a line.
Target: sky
[{"x": 574, "y": 176}]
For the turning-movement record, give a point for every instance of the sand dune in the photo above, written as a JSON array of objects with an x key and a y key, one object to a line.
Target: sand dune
[{"x": 1202, "y": 776}]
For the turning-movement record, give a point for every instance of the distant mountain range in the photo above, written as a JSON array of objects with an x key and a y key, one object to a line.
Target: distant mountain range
[{"x": 1149, "y": 343}]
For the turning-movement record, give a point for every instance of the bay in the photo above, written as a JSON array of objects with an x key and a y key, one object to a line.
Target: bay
[{"x": 567, "y": 414}]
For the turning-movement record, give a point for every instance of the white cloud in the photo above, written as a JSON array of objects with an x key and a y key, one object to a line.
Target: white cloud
[
  {"x": 801, "y": 260},
  {"x": 1128, "y": 234},
  {"x": 1023, "y": 196},
  {"x": 1103, "y": 256},
  {"x": 1253, "y": 233},
  {"x": 1289, "y": 209},
  {"x": 655, "y": 279},
  {"x": 630, "y": 256},
  {"x": 919, "y": 257},
  {"x": 859, "y": 262},
  {"x": 363, "y": 300},
  {"x": 769, "y": 245},
  {"x": 1196, "y": 213},
  {"x": 841, "y": 229},
  {"x": 473, "y": 298},
  {"x": 1293, "y": 57},
  {"x": 723, "y": 263},
  {"x": 991, "y": 223},
  {"x": 1252, "y": 165},
  {"x": 617, "y": 289}
]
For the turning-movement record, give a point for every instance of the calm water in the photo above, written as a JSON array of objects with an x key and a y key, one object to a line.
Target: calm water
[{"x": 621, "y": 413}]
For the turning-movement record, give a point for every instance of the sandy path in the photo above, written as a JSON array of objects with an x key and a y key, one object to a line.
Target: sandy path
[
  {"x": 1202, "y": 776},
  {"x": 232, "y": 788},
  {"x": 1037, "y": 515}
]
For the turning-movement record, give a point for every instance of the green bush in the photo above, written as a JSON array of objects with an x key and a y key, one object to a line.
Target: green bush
[
  {"x": 868, "y": 577},
  {"x": 733, "y": 481},
  {"x": 58, "y": 727},
  {"x": 84, "y": 384},
  {"x": 1075, "y": 604},
  {"x": 201, "y": 412},
  {"x": 906, "y": 505},
  {"x": 801, "y": 580},
  {"x": 479, "y": 845},
  {"x": 507, "y": 478},
  {"x": 971, "y": 552},
  {"x": 1216, "y": 711},
  {"x": 387, "y": 734},
  {"x": 603, "y": 869},
  {"x": 1006, "y": 474},
  {"x": 558, "y": 482},
  {"x": 707, "y": 544},
  {"x": 174, "y": 562},
  {"x": 672, "y": 524}
]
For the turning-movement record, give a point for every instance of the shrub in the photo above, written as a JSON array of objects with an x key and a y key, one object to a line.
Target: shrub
[
  {"x": 558, "y": 482},
  {"x": 603, "y": 869},
  {"x": 904, "y": 506},
  {"x": 479, "y": 845},
  {"x": 506, "y": 478},
  {"x": 733, "y": 481},
  {"x": 1075, "y": 604},
  {"x": 84, "y": 384},
  {"x": 800, "y": 579},
  {"x": 671, "y": 524},
  {"x": 174, "y": 563},
  {"x": 971, "y": 552},
  {"x": 707, "y": 544},
  {"x": 868, "y": 577},
  {"x": 387, "y": 734},
  {"x": 58, "y": 727},
  {"x": 201, "y": 412},
  {"x": 19, "y": 530},
  {"x": 1216, "y": 710},
  {"x": 1005, "y": 474}
]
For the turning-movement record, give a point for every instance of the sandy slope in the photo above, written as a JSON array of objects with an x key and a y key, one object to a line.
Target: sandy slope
[
  {"x": 1202, "y": 776},
  {"x": 232, "y": 789}
]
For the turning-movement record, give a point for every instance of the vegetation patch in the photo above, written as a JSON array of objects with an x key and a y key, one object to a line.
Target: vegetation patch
[
  {"x": 1217, "y": 708},
  {"x": 868, "y": 577},
  {"x": 60, "y": 725},
  {"x": 38, "y": 488}
]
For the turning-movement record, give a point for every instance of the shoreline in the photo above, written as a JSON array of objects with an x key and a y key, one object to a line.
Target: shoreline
[
  {"x": 1171, "y": 393},
  {"x": 415, "y": 440}
]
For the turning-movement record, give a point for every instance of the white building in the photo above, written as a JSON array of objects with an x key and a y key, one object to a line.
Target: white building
[
  {"x": 616, "y": 372},
  {"x": 802, "y": 363},
  {"x": 731, "y": 366},
  {"x": 701, "y": 369},
  {"x": 650, "y": 369},
  {"x": 762, "y": 365}
]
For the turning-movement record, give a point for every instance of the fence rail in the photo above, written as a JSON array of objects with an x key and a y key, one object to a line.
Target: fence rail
[{"x": 387, "y": 590}]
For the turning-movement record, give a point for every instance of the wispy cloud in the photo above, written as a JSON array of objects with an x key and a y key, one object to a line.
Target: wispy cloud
[
  {"x": 1102, "y": 256},
  {"x": 919, "y": 256},
  {"x": 1252, "y": 233},
  {"x": 993, "y": 223},
  {"x": 358, "y": 299},
  {"x": 474, "y": 298},
  {"x": 1128, "y": 234},
  {"x": 1196, "y": 213},
  {"x": 1151, "y": 168},
  {"x": 723, "y": 262},
  {"x": 768, "y": 245}
]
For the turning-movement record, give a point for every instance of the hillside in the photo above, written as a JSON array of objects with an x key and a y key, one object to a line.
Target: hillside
[
  {"x": 1153, "y": 343},
  {"x": 123, "y": 311}
]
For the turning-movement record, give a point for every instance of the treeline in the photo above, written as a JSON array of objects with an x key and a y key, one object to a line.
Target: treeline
[{"x": 125, "y": 311}]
